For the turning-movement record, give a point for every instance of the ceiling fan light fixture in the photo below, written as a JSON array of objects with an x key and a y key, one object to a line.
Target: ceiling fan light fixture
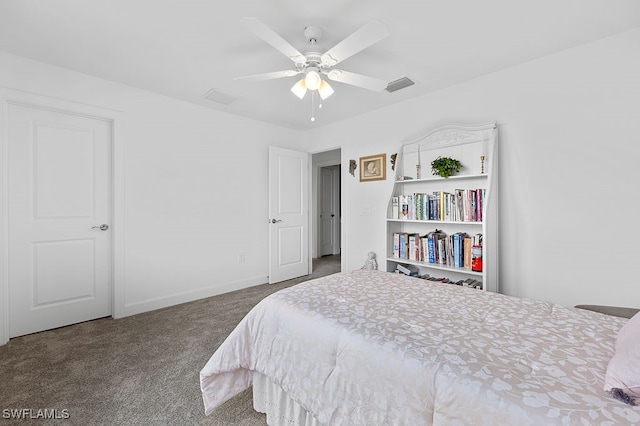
[
  {"x": 312, "y": 79},
  {"x": 300, "y": 88},
  {"x": 325, "y": 90}
]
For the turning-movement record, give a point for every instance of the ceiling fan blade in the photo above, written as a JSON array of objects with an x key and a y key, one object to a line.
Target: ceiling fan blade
[
  {"x": 268, "y": 75},
  {"x": 271, "y": 37},
  {"x": 359, "y": 80},
  {"x": 362, "y": 38}
]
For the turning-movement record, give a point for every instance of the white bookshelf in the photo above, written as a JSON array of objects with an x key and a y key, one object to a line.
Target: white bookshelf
[{"x": 466, "y": 143}]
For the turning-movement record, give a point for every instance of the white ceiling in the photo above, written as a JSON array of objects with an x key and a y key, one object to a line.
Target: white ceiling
[{"x": 185, "y": 48}]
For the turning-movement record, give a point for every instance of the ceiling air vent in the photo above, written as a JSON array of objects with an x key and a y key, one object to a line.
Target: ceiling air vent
[
  {"x": 401, "y": 83},
  {"x": 217, "y": 96}
]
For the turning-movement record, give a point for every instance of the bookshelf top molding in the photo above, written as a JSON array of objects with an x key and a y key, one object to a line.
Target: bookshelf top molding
[{"x": 450, "y": 135}]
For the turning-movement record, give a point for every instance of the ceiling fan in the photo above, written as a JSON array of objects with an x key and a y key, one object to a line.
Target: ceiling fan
[{"x": 315, "y": 63}]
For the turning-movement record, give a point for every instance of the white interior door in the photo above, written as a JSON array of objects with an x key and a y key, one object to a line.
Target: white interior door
[
  {"x": 59, "y": 194},
  {"x": 288, "y": 214},
  {"x": 329, "y": 210}
]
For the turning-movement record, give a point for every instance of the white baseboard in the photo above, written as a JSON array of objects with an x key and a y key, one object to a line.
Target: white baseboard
[{"x": 176, "y": 299}]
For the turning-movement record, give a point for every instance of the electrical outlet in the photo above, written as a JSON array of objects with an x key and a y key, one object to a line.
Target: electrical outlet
[{"x": 241, "y": 257}]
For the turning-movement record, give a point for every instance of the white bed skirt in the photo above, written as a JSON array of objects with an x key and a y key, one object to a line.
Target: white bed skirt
[{"x": 269, "y": 398}]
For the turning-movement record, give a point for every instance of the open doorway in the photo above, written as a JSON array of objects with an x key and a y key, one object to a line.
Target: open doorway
[
  {"x": 329, "y": 211},
  {"x": 326, "y": 205}
]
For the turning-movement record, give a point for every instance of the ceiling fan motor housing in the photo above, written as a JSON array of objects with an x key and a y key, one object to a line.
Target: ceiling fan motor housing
[
  {"x": 313, "y": 60},
  {"x": 312, "y": 34},
  {"x": 314, "y": 55}
]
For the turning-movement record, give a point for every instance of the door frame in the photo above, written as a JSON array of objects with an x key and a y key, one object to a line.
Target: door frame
[
  {"x": 116, "y": 119},
  {"x": 313, "y": 190},
  {"x": 335, "y": 171}
]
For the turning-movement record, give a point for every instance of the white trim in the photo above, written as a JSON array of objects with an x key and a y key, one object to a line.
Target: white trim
[
  {"x": 316, "y": 212},
  {"x": 190, "y": 296},
  {"x": 115, "y": 118},
  {"x": 343, "y": 206},
  {"x": 311, "y": 240},
  {"x": 314, "y": 192},
  {"x": 118, "y": 215},
  {"x": 4, "y": 225}
]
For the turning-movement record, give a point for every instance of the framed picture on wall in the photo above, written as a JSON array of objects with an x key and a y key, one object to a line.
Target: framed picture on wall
[{"x": 373, "y": 167}]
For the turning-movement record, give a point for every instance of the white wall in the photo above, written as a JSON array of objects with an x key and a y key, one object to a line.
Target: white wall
[
  {"x": 195, "y": 186},
  {"x": 568, "y": 169}
]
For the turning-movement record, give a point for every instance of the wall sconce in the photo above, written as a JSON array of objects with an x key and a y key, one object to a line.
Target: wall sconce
[{"x": 352, "y": 167}]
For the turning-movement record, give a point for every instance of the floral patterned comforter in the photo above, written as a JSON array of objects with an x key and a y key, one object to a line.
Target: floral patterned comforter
[{"x": 371, "y": 347}]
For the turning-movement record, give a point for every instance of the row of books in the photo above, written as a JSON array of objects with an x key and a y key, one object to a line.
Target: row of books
[
  {"x": 413, "y": 271},
  {"x": 469, "y": 282},
  {"x": 464, "y": 205},
  {"x": 437, "y": 247}
]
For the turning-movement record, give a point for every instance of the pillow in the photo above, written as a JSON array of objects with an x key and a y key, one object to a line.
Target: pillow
[{"x": 622, "y": 380}]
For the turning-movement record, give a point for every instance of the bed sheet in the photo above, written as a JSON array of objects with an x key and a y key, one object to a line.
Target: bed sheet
[{"x": 371, "y": 347}]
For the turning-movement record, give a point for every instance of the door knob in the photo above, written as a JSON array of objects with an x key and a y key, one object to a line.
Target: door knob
[
  {"x": 102, "y": 227},
  {"x": 275, "y": 220}
]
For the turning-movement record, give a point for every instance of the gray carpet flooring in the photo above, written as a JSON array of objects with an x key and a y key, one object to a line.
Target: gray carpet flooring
[{"x": 139, "y": 370}]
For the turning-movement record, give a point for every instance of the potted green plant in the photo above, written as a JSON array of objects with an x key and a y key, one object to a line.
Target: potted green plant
[{"x": 445, "y": 166}]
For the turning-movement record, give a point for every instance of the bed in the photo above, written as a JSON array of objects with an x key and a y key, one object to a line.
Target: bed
[{"x": 376, "y": 348}]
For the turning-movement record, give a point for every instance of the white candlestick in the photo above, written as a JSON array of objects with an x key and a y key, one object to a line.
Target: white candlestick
[{"x": 483, "y": 155}]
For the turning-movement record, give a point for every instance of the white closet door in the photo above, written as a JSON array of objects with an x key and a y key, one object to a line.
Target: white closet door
[
  {"x": 59, "y": 206},
  {"x": 288, "y": 214}
]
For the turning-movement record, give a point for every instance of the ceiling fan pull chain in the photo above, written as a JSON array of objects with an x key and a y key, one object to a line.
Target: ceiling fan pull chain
[{"x": 313, "y": 118}]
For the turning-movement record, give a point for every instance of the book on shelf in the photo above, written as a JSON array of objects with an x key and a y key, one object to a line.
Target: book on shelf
[
  {"x": 395, "y": 208},
  {"x": 404, "y": 207},
  {"x": 441, "y": 253},
  {"x": 480, "y": 204},
  {"x": 410, "y": 270},
  {"x": 402, "y": 245},
  {"x": 414, "y": 247},
  {"x": 473, "y": 207},
  {"x": 426, "y": 206},
  {"x": 467, "y": 244},
  {"x": 424, "y": 249},
  {"x": 453, "y": 207},
  {"x": 446, "y": 251},
  {"x": 418, "y": 202},
  {"x": 433, "y": 239},
  {"x": 459, "y": 204},
  {"x": 458, "y": 249},
  {"x": 448, "y": 211},
  {"x": 412, "y": 207},
  {"x": 433, "y": 207},
  {"x": 396, "y": 244},
  {"x": 431, "y": 248}
]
